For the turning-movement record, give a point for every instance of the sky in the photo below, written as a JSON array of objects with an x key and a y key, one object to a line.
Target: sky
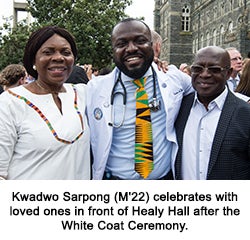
[
  {"x": 139, "y": 8},
  {"x": 143, "y": 8},
  {"x": 6, "y": 10}
]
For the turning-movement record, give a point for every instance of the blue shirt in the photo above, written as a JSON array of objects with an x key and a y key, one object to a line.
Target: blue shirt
[
  {"x": 233, "y": 83},
  {"x": 121, "y": 157}
]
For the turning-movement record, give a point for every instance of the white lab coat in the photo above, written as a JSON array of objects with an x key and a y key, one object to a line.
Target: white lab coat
[{"x": 173, "y": 86}]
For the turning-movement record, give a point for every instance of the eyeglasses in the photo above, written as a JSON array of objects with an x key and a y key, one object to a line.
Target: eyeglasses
[
  {"x": 236, "y": 58},
  {"x": 197, "y": 69}
]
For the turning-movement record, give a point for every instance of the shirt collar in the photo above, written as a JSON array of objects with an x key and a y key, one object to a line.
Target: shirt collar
[
  {"x": 237, "y": 78},
  {"x": 219, "y": 101},
  {"x": 126, "y": 78}
]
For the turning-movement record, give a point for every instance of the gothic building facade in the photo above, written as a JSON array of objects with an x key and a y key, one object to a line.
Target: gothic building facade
[{"x": 188, "y": 25}]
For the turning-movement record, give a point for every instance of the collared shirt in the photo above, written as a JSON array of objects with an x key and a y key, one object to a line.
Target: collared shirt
[
  {"x": 121, "y": 158},
  {"x": 198, "y": 137},
  {"x": 233, "y": 83}
]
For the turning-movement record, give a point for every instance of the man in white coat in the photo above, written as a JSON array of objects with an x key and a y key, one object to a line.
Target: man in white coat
[{"x": 111, "y": 106}]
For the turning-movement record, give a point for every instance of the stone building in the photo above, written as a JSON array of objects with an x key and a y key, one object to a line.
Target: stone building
[{"x": 188, "y": 25}]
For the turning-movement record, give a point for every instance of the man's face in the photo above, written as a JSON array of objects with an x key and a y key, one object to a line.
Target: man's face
[
  {"x": 132, "y": 48},
  {"x": 210, "y": 82},
  {"x": 236, "y": 60}
]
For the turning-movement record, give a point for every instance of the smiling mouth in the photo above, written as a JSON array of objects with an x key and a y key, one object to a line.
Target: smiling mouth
[
  {"x": 205, "y": 84},
  {"x": 132, "y": 59},
  {"x": 57, "y": 69}
]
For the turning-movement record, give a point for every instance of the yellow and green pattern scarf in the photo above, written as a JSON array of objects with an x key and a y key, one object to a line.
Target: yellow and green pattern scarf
[{"x": 143, "y": 131}]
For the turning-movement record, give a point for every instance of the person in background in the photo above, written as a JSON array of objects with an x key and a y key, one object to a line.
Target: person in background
[
  {"x": 91, "y": 71},
  {"x": 236, "y": 64},
  {"x": 12, "y": 76},
  {"x": 244, "y": 84},
  {"x": 29, "y": 79},
  {"x": 156, "y": 44},
  {"x": 78, "y": 75},
  {"x": 187, "y": 70},
  {"x": 88, "y": 69},
  {"x": 111, "y": 107},
  {"x": 183, "y": 66},
  {"x": 213, "y": 124},
  {"x": 104, "y": 71},
  {"x": 43, "y": 128},
  {"x": 245, "y": 60},
  {"x": 95, "y": 72}
]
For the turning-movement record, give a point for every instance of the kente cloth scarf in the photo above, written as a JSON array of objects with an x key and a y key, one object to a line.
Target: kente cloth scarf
[{"x": 143, "y": 132}]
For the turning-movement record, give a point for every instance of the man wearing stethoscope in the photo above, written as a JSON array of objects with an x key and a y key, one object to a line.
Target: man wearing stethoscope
[{"x": 111, "y": 106}]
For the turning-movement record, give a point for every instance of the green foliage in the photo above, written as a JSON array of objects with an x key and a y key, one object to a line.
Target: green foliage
[
  {"x": 12, "y": 44},
  {"x": 90, "y": 22}
]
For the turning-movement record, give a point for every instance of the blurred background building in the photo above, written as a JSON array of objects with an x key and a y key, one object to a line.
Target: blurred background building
[
  {"x": 184, "y": 25},
  {"x": 13, "y": 11},
  {"x": 188, "y": 25}
]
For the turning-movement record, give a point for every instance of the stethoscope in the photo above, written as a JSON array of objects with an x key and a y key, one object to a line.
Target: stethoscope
[{"x": 154, "y": 105}]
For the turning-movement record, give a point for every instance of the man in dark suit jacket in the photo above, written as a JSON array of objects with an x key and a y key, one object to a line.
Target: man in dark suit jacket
[
  {"x": 213, "y": 126},
  {"x": 1, "y": 89}
]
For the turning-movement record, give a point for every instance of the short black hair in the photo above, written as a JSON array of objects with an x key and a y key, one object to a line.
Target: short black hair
[{"x": 134, "y": 19}]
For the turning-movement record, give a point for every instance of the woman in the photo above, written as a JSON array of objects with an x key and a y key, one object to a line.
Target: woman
[
  {"x": 244, "y": 84},
  {"x": 12, "y": 76},
  {"x": 43, "y": 129}
]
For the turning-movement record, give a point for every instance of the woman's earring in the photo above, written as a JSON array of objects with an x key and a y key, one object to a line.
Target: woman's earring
[{"x": 34, "y": 67}]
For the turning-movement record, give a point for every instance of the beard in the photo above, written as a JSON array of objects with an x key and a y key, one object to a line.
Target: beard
[{"x": 136, "y": 72}]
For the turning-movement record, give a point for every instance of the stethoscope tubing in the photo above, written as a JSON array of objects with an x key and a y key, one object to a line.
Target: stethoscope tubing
[{"x": 124, "y": 97}]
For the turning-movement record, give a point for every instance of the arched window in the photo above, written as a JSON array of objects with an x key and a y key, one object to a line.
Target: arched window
[
  {"x": 230, "y": 27},
  {"x": 215, "y": 12},
  {"x": 196, "y": 45},
  {"x": 202, "y": 41},
  {"x": 221, "y": 35},
  {"x": 222, "y": 8},
  {"x": 231, "y": 5},
  {"x": 193, "y": 47},
  {"x": 185, "y": 18},
  {"x": 241, "y": 3},
  {"x": 208, "y": 39},
  {"x": 214, "y": 37}
]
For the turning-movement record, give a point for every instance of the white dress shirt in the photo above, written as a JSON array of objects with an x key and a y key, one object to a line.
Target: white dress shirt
[
  {"x": 198, "y": 137},
  {"x": 121, "y": 157}
]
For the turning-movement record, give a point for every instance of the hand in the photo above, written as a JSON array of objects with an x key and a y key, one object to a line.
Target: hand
[
  {"x": 88, "y": 70},
  {"x": 162, "y": 65}
]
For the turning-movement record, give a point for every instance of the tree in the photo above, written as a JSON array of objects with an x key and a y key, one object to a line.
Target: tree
[
  {"x": 90, "y": 22},
  {"x": 12, "y": 43}
]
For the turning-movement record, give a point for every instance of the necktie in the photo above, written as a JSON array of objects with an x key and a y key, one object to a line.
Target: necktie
[
  {"x": 143, "y": 132},
  {"x": 234, "y": 81}
]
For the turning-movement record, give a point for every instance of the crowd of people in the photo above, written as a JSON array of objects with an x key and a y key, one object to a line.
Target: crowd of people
[{"x": 143, "y": 119}]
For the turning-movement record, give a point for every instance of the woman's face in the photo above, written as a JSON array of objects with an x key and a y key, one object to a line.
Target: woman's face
[{"x": 54, "y": 60}]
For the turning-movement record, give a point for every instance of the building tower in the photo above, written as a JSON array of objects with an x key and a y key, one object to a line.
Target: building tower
[{"x": 188, "y": 25}]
